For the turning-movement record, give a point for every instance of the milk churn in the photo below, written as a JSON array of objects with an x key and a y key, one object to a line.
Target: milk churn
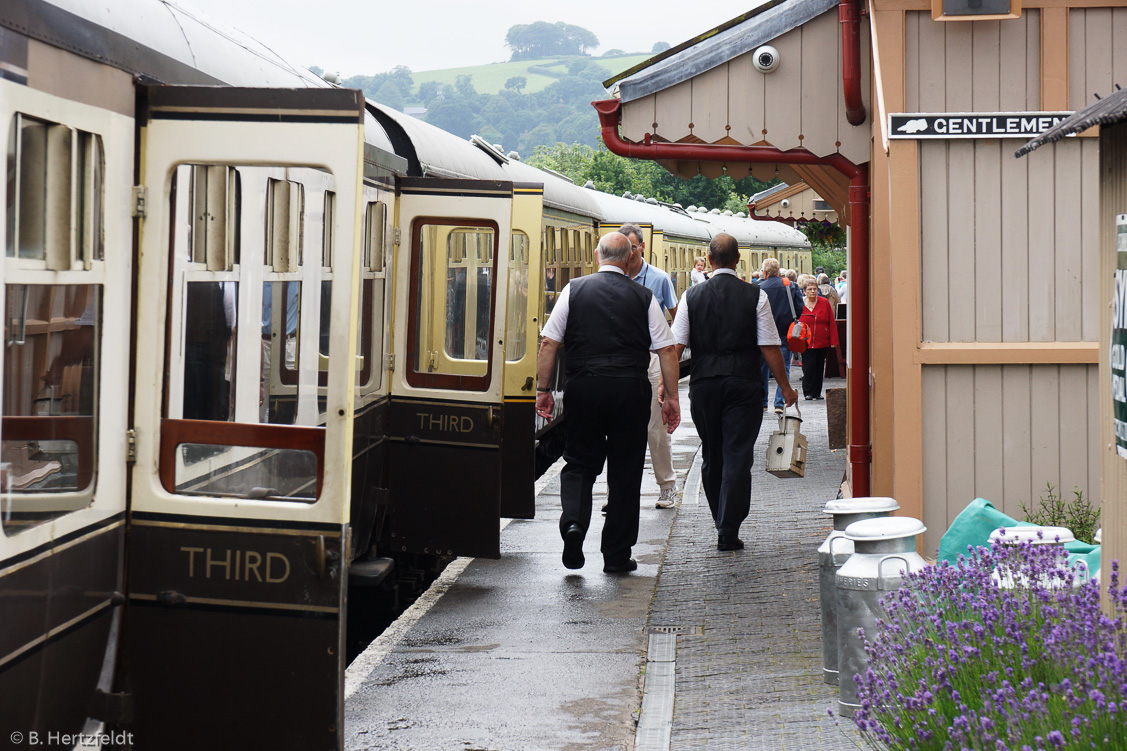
[
  {"x": 882, "y": 550},
  {"x": 1036, "y": 535},
  {"x": 833, "y": 552}
]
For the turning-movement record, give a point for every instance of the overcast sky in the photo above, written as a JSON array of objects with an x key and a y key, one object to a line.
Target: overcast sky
[{"x": 371, "y": 36}]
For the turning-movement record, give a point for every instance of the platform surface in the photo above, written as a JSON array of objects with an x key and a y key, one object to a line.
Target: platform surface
[{"x": 521, "y": 654}]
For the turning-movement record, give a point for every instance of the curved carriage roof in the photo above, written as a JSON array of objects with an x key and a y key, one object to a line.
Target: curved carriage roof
[
  {"x": 168, "y": 43},
  {"x": 442, "y": 153},
  {"x": 754, "y": 233},
  {"x": 673, "y": 222}
]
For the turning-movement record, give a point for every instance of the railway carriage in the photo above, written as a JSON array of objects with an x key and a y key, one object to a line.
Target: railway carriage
[{"x": 258, "y": 334}]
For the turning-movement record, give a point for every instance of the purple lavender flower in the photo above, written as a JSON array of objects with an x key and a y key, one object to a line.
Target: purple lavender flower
[{"x": 1005, "y": 649}]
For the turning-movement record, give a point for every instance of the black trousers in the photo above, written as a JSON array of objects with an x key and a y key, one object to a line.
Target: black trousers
[
  {"x": 606, "y": 421},
  {"x": 813, "y": 371},
  {"x": 727, "y": 412}
]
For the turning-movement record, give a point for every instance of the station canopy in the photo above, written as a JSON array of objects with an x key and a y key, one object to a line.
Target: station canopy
[{"x": 708, "y": 90}]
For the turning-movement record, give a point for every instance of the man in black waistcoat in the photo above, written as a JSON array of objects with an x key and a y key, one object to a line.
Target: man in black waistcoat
[
  {"x": 608, "y": 325},
  {"x": 729, "y": 325}
]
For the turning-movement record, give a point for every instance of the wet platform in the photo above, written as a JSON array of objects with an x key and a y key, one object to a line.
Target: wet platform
[{"x": 696, "y": 649}]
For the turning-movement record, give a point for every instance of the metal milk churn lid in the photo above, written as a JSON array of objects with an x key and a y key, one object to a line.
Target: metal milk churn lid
[
  {"x": 883, "y": 549},
  {"x": 1035, "y": 535},
  {"x": 834, "y": 551}
]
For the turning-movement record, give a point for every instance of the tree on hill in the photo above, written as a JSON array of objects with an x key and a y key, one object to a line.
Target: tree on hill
[
  {"x": 660, "y": 47},
  {"x": 543, "y": 39},
  {"x": 516, "y": 83},
  {"x": 399, "y": 77},
  {"x": 389, "y": 94}
]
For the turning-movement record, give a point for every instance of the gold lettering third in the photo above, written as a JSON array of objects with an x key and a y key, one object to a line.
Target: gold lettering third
[
  {"x": 445, "y": 423},
  {"x": 237, "y": 565}
]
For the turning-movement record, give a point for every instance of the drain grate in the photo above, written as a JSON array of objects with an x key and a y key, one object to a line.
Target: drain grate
[{"x": 676, "y": 630}]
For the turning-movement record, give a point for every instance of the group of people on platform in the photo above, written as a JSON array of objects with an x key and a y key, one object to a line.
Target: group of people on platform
[{"x": 622, "y": 371}]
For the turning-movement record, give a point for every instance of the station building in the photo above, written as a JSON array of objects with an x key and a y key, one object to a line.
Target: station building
[{"x": 975, "y": 291}]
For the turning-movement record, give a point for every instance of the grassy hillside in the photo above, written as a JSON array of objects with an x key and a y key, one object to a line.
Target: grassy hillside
[{"x": 489, "y": 79}]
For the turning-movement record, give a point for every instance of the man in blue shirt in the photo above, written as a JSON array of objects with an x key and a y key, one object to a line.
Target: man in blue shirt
[
  {"x": 786, "y": 304},
  {"x": 658, "y": 282}
]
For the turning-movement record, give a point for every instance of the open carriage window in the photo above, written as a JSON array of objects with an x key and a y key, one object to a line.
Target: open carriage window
[
  {"x": 55, "y": 197},
  {"x": 452, "y": 299},
  {"x": 52, "y": 336}
]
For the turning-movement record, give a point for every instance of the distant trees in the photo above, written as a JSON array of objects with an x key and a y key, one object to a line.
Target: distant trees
[
  {"x": 543, "y": 39},
  {"x": 516, "y": 83},
  {"x": 392, "y": 89},
  {"x": 660, "y": 47}
]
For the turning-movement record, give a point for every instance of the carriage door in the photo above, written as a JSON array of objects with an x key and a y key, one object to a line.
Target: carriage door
[
  {"x": 245, "y": 379},
  {"x": 447, "y": 390},
  {"x": 522, "y": 321}
]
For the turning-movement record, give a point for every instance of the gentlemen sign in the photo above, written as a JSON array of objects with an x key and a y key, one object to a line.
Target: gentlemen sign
[
  {"x": 1119, "y": 338},
  {"x": 973, "y": 124}
]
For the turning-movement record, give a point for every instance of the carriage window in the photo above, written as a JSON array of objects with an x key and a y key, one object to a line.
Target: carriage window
[
  {"x": 328, "y": 230},
  {"x": 281, "y": 322},
  {"x": 52, "y": 336},
  {"x": 516, "y": 316},
  {"x": 209, "y": 351},
  {"x": 215, "y": 219},
  {"x": 375, "y": 222},
  {"x": 263, "y": 474},
  {"x": 285, "y": 215},
  {"x": 452, "y": 299},
  {"x": 56, "y": 178}
]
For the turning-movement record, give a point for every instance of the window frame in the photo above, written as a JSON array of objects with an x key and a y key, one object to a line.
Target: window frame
[{"x": 448, "y": 381}]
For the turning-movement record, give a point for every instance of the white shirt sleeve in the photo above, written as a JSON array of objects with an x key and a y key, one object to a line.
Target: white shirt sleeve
[
  {"x": 660, "y": 335},
  {"x": 681, "y": 321},
  {"x": 556, "y": 324},
  {"x": 766, "y": 330}
]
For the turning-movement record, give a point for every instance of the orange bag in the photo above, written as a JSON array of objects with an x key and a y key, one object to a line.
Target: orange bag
[{"x": 799, "y": 337}]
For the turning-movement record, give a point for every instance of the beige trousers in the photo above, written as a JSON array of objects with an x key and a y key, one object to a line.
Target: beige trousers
[{"x": 658, "y": 436}]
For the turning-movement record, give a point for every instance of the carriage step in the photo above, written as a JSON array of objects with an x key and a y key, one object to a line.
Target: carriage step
[{"x": 370, "y": 572}]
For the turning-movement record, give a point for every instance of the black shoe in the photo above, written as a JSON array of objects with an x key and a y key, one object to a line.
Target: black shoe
[
  {"x": 729, "y": 542},
  {"x": 621, "y": 568},
  {"x": 573, "y": 547},
  {"x": 811, "y": 398}
]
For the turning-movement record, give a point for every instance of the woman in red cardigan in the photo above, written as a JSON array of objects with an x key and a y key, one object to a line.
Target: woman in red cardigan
[{"x": 819, "y": 316}]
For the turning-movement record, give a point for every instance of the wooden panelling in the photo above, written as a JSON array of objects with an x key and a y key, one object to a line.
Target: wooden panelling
[
  {"x": 1005, "y": 250},
  {"x": 986, "y": 66},
  {"x": 803, "y": 97},
  {"x": 782, "y": 92},
  {"x": 987, "y": 73},
  {"x": 1041, "y": 236},
  {"x": 710, "y": 104},
  {"x": 745, "y": 107},
  {"x": 935, "y": 280},
  {"x": 818, "y": 89},
  {"x": 673, "y": 108},
  {"x": 1001, "y": 433},
  {"x": 1054, "y": 59},
  {"x": 639, "y": 117},
  {"x": 1097, "y": 59},
  {"x": 1015, "y": 250}
]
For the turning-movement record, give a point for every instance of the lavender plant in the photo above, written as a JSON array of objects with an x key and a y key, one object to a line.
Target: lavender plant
[{"x": 998, "y": 651}]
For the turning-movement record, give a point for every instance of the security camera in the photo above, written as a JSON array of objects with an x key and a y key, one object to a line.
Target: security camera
[
  {"x": 786, "y": 203},
  {"x": 766, "y": 59}
]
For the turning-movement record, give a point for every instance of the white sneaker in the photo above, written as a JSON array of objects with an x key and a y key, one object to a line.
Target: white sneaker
[{"x": 665, "y": 500}]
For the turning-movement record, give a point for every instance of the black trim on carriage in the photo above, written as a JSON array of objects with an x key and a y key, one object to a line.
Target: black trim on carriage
[
  {"x": 104, "y": 610},
  {"x": 60, "y": 541},
  {"x": 228, "y": 521}
]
